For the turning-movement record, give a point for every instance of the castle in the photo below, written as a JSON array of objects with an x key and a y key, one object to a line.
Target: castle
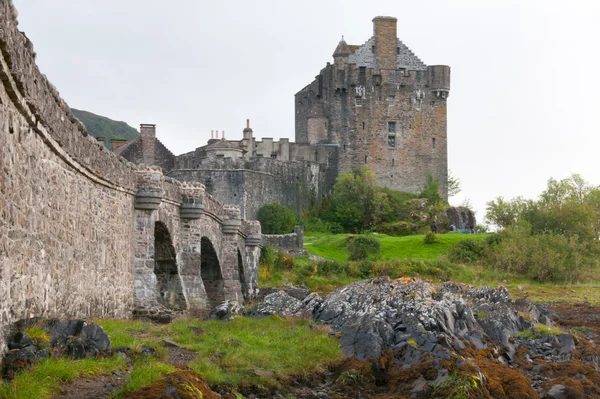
[
  {"x": 86, "y": 233},
  {"x": 377, "y": 105}
]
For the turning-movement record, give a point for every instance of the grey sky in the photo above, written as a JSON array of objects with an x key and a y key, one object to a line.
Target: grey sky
[{"x": 523, "y": 107}]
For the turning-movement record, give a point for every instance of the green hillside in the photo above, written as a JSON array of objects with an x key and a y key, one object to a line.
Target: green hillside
[{"x": 101, "y": 126}]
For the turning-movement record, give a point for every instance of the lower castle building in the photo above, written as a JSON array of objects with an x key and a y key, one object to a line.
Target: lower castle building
[{"x": 378, "y": 105}]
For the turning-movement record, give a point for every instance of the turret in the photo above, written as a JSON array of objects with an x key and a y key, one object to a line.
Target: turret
[
  {"x": 438, "y": 80},
  {"x": 248, "y": 140},
  {"x": 341, "y": 53}
]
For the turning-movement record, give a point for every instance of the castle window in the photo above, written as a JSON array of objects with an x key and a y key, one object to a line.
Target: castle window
[
  {"x": 362, "y": 76},
  {"x": 365, "y": 159},
  {"x": 274, "y": 155},
  {"x": 433, "y": 144},
  {"x": 363, "y": 125},
  {"x": 358, "y": 101},
  {"x": 398, "y": 50},
  {"x": 391, "y": 127},
  {"x": 392, "y": 165},
  {"x": 392, "y": 141},
  {"x": 372, "y": 49},
  {"x": 390, "y": 100}
]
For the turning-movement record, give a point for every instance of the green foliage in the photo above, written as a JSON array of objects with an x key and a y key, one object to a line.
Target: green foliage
[
  {"x": 276, "y": 219},
  {"x": 430, "y": 238},
  {"x": 399, "y": 229},
  {"x": 38, "y": 335},
  {"x": 362, "y": 247},
  {"x": 453, "y": 185},
  {"x": 431, "y": 191},
  {"x": 358, "y": 203},
  {"x": 466, "y": 251},
  {"x": 100, "y": 126}
]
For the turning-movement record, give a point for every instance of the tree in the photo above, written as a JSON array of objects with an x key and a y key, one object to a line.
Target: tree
[
  {"x": 358, "y": 203},
  {"x": 431, "y": 190},
  {"x": 276, "y": 219},
  {"x": 503, "y": 213},
  {"x": 453, "y": 185}
]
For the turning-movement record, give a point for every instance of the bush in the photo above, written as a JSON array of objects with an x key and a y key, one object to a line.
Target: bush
[
  {"x": 316, "y": 225},
  {"x": 276, "y": 219},
  {"x": 467, "y": 250},
  {"x": 362, "y": 247},
  {"x": 430, "y": 238}
]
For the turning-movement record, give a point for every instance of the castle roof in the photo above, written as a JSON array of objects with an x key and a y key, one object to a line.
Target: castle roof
[
  {"x": 342, "y": 49},
  {"x": 363, "y": 56}
]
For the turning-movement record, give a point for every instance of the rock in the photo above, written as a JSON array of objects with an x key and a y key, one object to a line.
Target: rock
[
  {"x": 557, "y": 391},
  {"x": 299, "y": 292},
  {"x": 567, "y": 344},
  {"x": 168, "y": 342},
  {"x": 283, "y": 304},
  {"x": 20, "y": 340},
  {"x": 227, "y": 311}
]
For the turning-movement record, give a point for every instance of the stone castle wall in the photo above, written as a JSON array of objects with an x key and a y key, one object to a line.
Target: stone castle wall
[
  {"x": 66, "y": 203},
  {"x": 252, "y": 183}
]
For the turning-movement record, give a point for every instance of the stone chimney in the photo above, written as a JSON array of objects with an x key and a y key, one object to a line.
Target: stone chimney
[
  {"x": 148, "y": 139},
  {"x": 386, "y": 42}
]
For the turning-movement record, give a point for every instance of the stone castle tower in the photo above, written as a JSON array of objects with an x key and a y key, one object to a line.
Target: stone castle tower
[{"x": 383, "y": 107}]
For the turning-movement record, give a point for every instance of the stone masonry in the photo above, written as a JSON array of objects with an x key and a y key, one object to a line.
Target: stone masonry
[{"x": 84, "y": 232}]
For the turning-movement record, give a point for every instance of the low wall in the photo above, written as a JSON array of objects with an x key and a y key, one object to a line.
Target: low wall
[{"x": 292, "y": 242}]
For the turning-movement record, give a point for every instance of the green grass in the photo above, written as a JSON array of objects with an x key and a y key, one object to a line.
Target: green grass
[
  {"x": 332, "y": 246},
  {"x": 539, "y": 329},
  {"x": 145, "y": 371},
  {"x": 45, "y": 379}
]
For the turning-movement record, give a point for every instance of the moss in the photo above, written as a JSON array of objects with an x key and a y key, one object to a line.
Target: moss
[
  {"x": 412, "y": 342},
  {"x": 183, "y": 384},
  {"x": 38, "y": 335}
]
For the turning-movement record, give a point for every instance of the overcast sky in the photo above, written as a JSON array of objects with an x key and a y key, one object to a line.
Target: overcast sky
[{"x": 523, "y": 107}]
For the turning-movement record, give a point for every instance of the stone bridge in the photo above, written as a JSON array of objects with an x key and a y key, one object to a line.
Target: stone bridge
[{"x": 83, "y": 232}]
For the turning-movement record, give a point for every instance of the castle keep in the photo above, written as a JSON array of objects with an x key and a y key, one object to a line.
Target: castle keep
[
  {"x": 383, "y": 107},
  {"x": 378, "y": 105}
]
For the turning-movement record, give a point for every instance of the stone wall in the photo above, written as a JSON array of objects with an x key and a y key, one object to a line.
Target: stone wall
[
  {"x": 252, "y": 183},
  {"x": 292, "y": 242},
  {"x": 66, "y": 203}
]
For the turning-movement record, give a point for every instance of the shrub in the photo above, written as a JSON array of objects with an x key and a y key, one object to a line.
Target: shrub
[
  {"x": 466, "y": 251},
  {"x": 316, "y": 225},
  {"x": 362, "y": 247},
  {"x": 430, "y": 238},
  {"x": 276, "y": 219}
]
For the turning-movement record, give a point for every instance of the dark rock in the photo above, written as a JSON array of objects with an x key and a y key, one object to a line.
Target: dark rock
[
  {"x": 567, "y": 344},
  {"x": 20, "y": 340},
  {"x": 299, "y": 292},
  {"x": 227, "y": 311}
]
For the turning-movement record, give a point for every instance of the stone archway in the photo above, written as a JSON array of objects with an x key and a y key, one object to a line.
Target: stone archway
[
  {"x": 242, "y": 275},
  {"x": 168, "y": 283},
  {"x": 210, "y": 271}
]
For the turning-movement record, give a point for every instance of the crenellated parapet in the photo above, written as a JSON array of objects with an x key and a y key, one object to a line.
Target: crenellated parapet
[{"x": 192, "y": 200}]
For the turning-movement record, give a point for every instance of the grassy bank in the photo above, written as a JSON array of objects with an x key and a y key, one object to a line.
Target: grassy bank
[{"x": 332, "y": 246}]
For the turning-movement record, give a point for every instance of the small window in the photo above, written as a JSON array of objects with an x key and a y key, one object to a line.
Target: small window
[
  {"x": 398, "y": 50},
  {"x": 392, "y": 141},
  {"x": 433, "y": 144},
  {"x": 363, "y": 125},
  {"x": 372, "y": 49},
  {"x": 390, "y": 100},
  {"x": 392, "y": 165},
  {"x": 273, "y": 156},
  {"x": 362, "y": 76},
  {"x": 365, "y": 159},
  {"x": 358, "y": 101},
  {"x": 391, "y": 127}
]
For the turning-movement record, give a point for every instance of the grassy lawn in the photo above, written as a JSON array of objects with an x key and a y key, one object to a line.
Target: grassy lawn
[{"x": 332, "y": 246}]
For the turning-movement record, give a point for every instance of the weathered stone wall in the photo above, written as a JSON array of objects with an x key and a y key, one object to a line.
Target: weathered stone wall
[
  {"x": 252, "y": 183},
  {"x": 292, "y": 242},
  {"x": 66, "y": 203}
]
